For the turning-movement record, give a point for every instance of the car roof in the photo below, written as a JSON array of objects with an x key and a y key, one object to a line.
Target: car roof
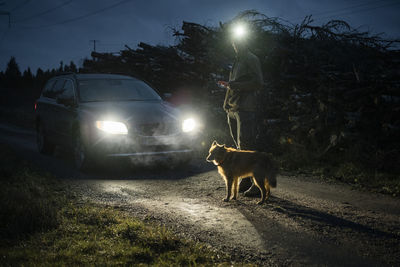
[
  {"x": 97, "y": 76},
  {"x": 102, "y": 76}
]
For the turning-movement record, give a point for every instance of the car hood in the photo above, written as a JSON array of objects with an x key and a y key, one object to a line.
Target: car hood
[{"x": 139, "y": 112}]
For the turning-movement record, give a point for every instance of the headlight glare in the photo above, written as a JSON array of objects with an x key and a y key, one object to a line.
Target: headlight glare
[
  {"x": 188, "y": 125},
  {"x": 112, "y": 127}
]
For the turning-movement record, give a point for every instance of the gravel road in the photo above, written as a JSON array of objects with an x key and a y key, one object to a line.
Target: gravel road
[{"x": 305, "y": 222}]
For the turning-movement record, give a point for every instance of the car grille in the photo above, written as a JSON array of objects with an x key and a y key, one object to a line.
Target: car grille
[{"x": 157, "y": 129}]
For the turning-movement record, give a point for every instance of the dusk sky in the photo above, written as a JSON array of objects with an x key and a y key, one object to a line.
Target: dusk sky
[{"x": 44, "y": 32}]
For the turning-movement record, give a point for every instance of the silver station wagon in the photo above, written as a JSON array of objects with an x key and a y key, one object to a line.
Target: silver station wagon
[{"x": 106, "y": 115}]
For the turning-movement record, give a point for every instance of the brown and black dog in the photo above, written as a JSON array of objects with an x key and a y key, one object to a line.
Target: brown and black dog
[{"x": 233, "y": 165}]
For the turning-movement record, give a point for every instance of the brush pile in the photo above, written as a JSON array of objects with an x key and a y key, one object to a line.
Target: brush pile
[{"x": 331, "y": 92}]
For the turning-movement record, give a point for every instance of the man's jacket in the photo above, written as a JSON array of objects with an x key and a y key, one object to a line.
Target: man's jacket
[{"x": 245, "y": 80}]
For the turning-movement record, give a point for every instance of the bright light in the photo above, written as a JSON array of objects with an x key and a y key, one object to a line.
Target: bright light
[
  {"x": 112, "y": 127},
  {"x": 188, "y": 125},
  {"x": 239, "y": 31}
]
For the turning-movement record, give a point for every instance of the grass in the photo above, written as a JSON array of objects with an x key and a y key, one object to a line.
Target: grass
[
  {"x": 94, "y": 235},
  {"x": 28, "y": 201},
  {"x": 297, "y": 159},
  {"x": 43, "y": 224},
  {"x": 21, "y": 116},
  {"x": 362, "y": 178}
]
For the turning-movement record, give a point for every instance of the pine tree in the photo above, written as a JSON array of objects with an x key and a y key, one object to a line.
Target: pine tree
[
  {"x": 40, "y": 80},
  {"x": 27, "y": 81},
  {"x": 61, "y": 68},
  {"x": 73, "y": 67},
  {"x": 28, "y": 76},
  {"x": 12, "y": 74}
]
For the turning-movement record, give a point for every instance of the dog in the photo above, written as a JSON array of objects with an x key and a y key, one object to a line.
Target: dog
[{"x": 233, "y": 165}]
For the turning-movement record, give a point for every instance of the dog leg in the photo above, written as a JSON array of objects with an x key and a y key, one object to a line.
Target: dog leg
[
  {"x": 263, "y": 195},
  {"x": 267, "y": 188},
  {"x": 260, "y": 183},
  {"x": 235, "y": 188},
  {"x": 228, "y": 182}
]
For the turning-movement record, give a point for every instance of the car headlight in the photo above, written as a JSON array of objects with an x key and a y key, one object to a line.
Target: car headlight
[
  {"x": 188, "y": 125},
  {"x": 112, "y": 127}
]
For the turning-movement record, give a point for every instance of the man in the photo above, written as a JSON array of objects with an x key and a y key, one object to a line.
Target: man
[{"x": 245, "y": 79}]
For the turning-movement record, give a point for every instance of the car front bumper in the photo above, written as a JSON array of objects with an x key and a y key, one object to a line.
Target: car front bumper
[
  {"x": 150, "y": 153},
  {"x": 137, "y": 147}
]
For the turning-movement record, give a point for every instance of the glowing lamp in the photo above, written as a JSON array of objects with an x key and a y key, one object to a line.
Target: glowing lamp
[
  {"x": 188, "y": 125},
  {"x": 239, "y": 31},
  {"x": 112, "y": 127}
]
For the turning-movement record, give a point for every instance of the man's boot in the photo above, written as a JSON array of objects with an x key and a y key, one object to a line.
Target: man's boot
[{"x": 253, "y": 191}]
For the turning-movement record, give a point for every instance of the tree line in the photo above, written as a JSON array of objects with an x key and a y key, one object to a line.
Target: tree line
[{"x": 27, "y": 85}]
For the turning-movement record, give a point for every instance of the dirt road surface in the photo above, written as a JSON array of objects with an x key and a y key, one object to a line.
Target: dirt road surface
[{"x": 306, "y": 221}]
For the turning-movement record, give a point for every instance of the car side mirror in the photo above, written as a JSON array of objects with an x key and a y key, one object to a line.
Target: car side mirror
[
  {"x": 66, "y": 101},
  {"x": 167, "y": 96}
]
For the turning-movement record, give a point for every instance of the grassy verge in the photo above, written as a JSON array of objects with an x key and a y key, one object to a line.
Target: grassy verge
[
  {"x": 360, "y": 177},
  {"x": 42, "y": 224},
  {"x": 23, "y": 115},
  {"x": 335, "y": 167},
  {"x": 94, "y": 235}
]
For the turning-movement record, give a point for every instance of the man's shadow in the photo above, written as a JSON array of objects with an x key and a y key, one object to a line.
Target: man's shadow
[{"x": 324, "y": 219}]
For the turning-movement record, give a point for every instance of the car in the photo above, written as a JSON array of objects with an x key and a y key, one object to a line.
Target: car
[{"x": 102, "y": 116}]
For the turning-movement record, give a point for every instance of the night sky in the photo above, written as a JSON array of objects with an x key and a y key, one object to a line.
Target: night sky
[{"x": 44, "y": 32}]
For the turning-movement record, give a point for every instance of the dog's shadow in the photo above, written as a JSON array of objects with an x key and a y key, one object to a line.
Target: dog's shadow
[{"x": 296, "y": 211}]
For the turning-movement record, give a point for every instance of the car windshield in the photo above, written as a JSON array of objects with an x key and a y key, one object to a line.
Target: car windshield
[{"x": 115, "y": 90}]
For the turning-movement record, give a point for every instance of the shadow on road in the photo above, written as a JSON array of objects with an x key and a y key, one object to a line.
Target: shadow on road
[
  {"x": 320, "y": 249},
  {"x": 323, "y": 219}
]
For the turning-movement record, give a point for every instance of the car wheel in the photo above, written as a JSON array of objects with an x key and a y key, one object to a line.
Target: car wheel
[
  {"x": 81, "y": 156},
  {"x": 42, "y": 141}
]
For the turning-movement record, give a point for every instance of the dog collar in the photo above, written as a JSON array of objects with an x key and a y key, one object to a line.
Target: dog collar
[{"x": 220, "y": 163}]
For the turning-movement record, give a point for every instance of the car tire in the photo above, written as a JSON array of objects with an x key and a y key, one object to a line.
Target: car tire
[
  {"x": 42, "y": 141},
  {"x": 82, "y": 158}
]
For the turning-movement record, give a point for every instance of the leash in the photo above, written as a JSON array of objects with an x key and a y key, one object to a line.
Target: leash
[{"x": 230, "y": 129}]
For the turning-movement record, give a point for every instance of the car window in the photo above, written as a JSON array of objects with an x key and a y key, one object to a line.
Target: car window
[
  {"x": 56, "y": 89},
  {"x": 115, "y": 90},
  {"x": 48, "y": 87},
  {"x": 68, "y": 90}
]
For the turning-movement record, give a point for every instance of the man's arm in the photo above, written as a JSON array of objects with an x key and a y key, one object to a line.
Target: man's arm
[{"x": 252, "y": 81}]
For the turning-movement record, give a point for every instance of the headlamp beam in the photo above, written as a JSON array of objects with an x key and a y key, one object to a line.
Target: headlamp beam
[{"x": 239, "y": 31}]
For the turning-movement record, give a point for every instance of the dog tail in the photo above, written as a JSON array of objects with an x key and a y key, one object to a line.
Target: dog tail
[
  {"x": 272, "y": 169},
  {"x": 272, "y": 173}
]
